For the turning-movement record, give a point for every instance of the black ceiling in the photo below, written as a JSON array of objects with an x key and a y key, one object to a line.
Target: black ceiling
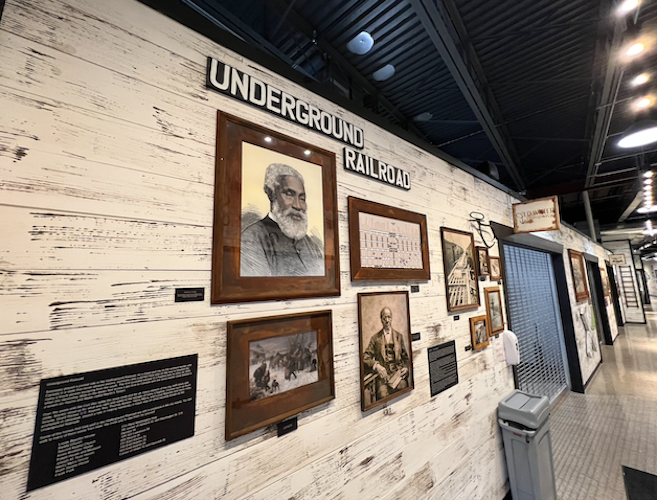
[{"x": 534, "y": 86}]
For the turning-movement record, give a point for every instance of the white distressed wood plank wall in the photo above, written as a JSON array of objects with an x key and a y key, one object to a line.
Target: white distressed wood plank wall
[{"x": 107, "y": 146}]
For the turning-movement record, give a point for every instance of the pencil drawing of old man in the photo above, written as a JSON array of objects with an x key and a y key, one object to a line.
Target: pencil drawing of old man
[{"x": 279, "y": 244}]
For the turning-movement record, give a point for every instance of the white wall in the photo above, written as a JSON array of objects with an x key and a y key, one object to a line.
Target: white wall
[{"x": 107, "y": 148}]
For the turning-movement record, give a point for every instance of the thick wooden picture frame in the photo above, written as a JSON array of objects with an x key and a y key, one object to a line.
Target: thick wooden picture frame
[
  {"x": 483, "y": 261},
  {"x": 478, "y": 333},
  {"x": 397, "y": 243},
  {"x": 253, "y": 401},
  {"x": 386, "y": 368},
  {"x": 494, "y": 310},
  {"x": 578, "y": 272},
  {"x": 495, "y": 268},
  {"x": 272, "y": 266},
  {"x": 461, "y": 280}
]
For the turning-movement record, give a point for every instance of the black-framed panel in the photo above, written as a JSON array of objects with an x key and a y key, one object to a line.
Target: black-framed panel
[
  {"x": 598, "y": 298},
  {"x": 614, "y": 295},
  {"x": 506, "y": 236}
]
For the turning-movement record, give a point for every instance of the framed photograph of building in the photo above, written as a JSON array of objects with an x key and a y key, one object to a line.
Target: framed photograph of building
[
  {"x": 462, "y": 290},
  {"x": 387, "y": 243},
  {"x": 579, "y": 275},
  {"x": 386, "y": 360},
  {"x": 277, "y": 367},
  {"x": 479, "y": 332},
  {"x": 483, "y": 263},
  {"x": 494, "y": 313},
  {"x": 495, "y": 268},
  {"x": 275, "y": 216},
  {"x": 606, "y": 286}
]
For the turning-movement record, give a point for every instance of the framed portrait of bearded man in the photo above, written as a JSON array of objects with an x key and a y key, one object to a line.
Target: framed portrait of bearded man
[{"x": 275, "y": 216}]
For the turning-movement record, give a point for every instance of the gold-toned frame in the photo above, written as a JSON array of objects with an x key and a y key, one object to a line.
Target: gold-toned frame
[{"x": 477, "y": 346}]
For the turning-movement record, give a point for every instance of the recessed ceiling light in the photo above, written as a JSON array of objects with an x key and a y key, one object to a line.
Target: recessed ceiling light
[
  {"x": 643, "y": 103},
  {"x": 647, "y": 181},
  {"x": 635, "y": 49},
  {"x": 648, "y": 174},
  {"x": 639, "y": 134},
  {"x": 384, "y": 73},
  {"x": 361, "y": 43},
  {"x": 640, "y": 79},
  {"x": 627, "y": 6}
]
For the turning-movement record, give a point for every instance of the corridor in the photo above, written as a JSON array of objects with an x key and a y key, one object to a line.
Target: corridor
[{"x": 614, "y": 423}]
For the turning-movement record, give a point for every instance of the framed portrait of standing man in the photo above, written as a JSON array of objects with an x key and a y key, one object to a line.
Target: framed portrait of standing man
[
  {"x": 275, "y": 216},
  {"x": 386, "y": 361}
]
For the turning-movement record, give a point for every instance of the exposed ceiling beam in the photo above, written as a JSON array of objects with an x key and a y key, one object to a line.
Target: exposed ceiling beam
[
  {"x": 459, "y": 57},
  {"x": 631, "y": 207}
]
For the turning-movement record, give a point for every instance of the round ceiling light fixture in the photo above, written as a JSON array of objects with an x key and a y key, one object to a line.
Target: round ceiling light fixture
[
  {"x": 423, "y": 117},
  {"x": 640, "y": 79},
  {"x": 639, "y": 134},
  {"x": 648, "y": 174},
  {"x": 361, "y": 44},
  {"x": 627, "y": 6},
  {"x": 635, "y": 49},
  {"x": 382, "y": 74},
  {"x": 643, "y": 103}
]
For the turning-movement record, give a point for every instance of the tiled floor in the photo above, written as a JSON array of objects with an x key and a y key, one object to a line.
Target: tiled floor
[{"x": 613, "y": 424}]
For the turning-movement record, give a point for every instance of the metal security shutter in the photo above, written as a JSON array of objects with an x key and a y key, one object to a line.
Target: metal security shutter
[{"x": 534, "y": 318}]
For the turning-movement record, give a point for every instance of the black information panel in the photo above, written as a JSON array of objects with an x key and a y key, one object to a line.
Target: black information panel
[
  {"x": 92, "y": 419},
  {"x": 443, "y": 372}
]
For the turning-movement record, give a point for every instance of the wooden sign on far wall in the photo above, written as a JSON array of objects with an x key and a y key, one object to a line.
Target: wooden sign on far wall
[{"x": 536, "y": 215}]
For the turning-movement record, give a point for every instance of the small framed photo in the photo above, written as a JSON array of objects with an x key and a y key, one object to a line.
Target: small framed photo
[
  {"x": 387, "y": 243},
  {"x": 278, "y": 366},
  {"x": 494, "y": 313},
  {"x": 483, "y": 263},
  {"x": 606, "y": 286},
  {"x": 386, "y": 360},
  {"x": 462, "y": 289},
  {"x": 275, "y": 217},
  {"x": 479, "y": 332},
  {"x": 579, "y": 275},
  {"x": 495, "y": 268}
]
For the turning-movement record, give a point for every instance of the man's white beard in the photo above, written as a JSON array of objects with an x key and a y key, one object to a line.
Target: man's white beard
[{"x": 289, "y": 227}]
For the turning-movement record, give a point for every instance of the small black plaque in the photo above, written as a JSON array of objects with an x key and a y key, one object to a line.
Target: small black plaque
[
  {"x": 89, "y": 420},
  {"x": 415, "y": 288},
  {"x": 443, "y": 371},
  {"x": 190, "y": 294},
  {"x": 287, "y": 426},
  {"x": 457, "y": 317},
  {"x": 415, "y": 336}
]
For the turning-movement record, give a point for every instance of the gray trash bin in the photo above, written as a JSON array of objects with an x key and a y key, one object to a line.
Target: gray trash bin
[{"x": 525, "y": 427}]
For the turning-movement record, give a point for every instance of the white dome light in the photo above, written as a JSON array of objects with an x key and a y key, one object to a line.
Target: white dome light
[
  {"x": 640, "y": 79},
  {"x": 384, "y": 73},
  {"x": 635, "y": 49},
  {"x": 639, "y": 134},
  {"x": 627, "y": 6},
  {"x": 361, "y": 43}
]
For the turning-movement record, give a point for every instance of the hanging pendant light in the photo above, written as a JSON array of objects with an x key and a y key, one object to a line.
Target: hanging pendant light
[{"x": 638, "y": 134}]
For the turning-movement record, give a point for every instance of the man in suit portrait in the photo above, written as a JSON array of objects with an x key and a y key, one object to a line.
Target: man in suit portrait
[
  {"x": 278, "y": 244},
  {"x": 386, "y": 359}
]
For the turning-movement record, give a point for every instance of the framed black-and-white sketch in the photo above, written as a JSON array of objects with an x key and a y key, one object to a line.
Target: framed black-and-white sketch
[
  {"x": 479, "y": 332},
  {"x": 275, "y": 216},
  {"x": 483, "y": 263},
  {"x": 277, "y": 366},
  {"x": 579, "y": 275},
  {"x": 460, "y": 271},
  {"x": 387, "y": 243},
  {"x": 495, "y": 268},
  {"x": 494, "y": 313},
  {"x": 386, "y": 360}
]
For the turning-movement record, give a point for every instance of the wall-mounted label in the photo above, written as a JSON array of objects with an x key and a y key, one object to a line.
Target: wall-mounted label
[
  {"x": 375, "y": 169},
  {"x": 190, "y": 294},
  {"x": 88, "y": 420},
  {"x": 536, "y": 215},
  {"x": 443, "y": 370},
  {"x": 287, "y": 426},
  {"x": 246, "y": 88},
  {"x": 617, "y": 259},
  {"x": 415, "y": 336}
]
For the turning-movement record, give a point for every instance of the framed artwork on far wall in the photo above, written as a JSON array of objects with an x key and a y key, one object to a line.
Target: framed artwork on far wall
[
  {"x": 483, "y": 263},
  {"x": 277, "y": 366},
  {"x": 494, "y": 312},
  {"x": 479, "y": 332},
  {"x": 495, "y": 268},
  {"x": 387, "y": 243},
  {"x": 462, "y": 289},
  {"x": 275, "y": 216},
  {"x": 579, "y": 275},
  {"x": 386, "y": 360}
]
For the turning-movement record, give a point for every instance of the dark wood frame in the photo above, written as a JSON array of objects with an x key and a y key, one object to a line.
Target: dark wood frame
[
  {"x": 487, "y": 292},
  {"x": 477, "y": 259},
  {"x": 473, "y": 320},
  {"x": 358, "y": 272},
  {"x": 242, "y": 414},
  {"x": 499, "y": 266},
  {"x": 474, "y": 263},
  {"x": 574, "y": 254},
  {"x": 361, "y": 349},
  {"x": 227, "y": 284}
]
